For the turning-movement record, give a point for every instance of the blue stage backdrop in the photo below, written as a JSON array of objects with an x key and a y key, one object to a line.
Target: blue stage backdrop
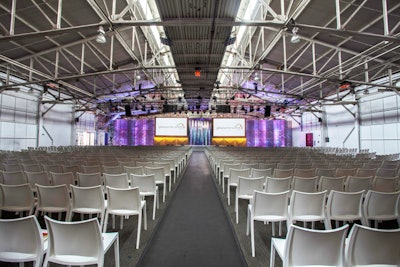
[{"x": 259, "y": 133}]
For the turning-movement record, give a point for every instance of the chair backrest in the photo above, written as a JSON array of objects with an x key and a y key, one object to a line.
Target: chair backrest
[
  {"x": 306, "y": 247},
  {"x": 52, "y": 168},
  {"x": 66, "y": 178},
  {"x": 113, "y": 169},
  {"x": 79, "y": 240},
  {"x": 326, "y": 172},
  {"x": 246, "y": 186},
  {"x": 158, "y": 173},
  {"x": 282, "y": 173},
  {"x": 345, "y": 206},
  {"x": 87, "y": 198},
  {"x": 305, "y": 173},
  {"x": 41, "y": 178},
  {"x": 134, "y": 170},
  {"x": 53, "y": 198},
  {"x": 331, "y": 183},
  {"x": 305, "y": 184},
  {"x": 32, "y": 167},
  {"x": 260, "y": 172},
  {"x": 366, "y": 172},
  {"x": 249, "y": 165},
  {"x": 304, "y": 204},
  {"x": 285, "y": 165},
  {"x": 228, "y": 166},
  {"x": 276, "y": 185},
  {"x": 144, "y": 163},
  {"x": 270, "y": 204},
  {"x": 123, "y": 199},
  {"x": 235, "y": 173},
  {"x": 373, "y": 247},
  {"x": 14, "y": 177},
  {"x": 116, "y": 180},
  {"x": 21, "y": 240},
  {"x": 386, "y": 172},
  {"x": 355, "y": 183},
  {"x": 12, "y": 167},
  {"x": 89, "y": 179},
  {"x": 91, "y": 168},
  {"x": 384, "y": 184},
  {"x": 345, "y": 172},
  {"x": 145, "y": 183},
  {"x": 381, "y": 205},
  {"x": 17, "y": 198}
]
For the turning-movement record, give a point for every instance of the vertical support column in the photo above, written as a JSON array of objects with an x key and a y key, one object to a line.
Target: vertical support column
[
  {"x": 385, "y": 18},
  {"x": 12, "y": 19},
  {"x": 59, "y": 14},
  {"x": 30, "y": 69},
  {"x": 83, "y": 57},
  {"x": 313, "y": 59},
  {"x": 338, "y": 22},
  {"x": 283, "y": 8},
  {"x": 366, "y": 73},
  {"x": 111, "y": 52},
  {"x": 56, "y": 65},
  {"x": 357, "y": 127},
  {"x": 284, "y": 52},
  {"x": 340, "y": 64}
]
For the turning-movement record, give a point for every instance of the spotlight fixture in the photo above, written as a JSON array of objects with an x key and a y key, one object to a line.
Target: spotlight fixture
[
  {"x": 101, "y": 37},
  {"x": 197, "y": 72},
  {"x": 295, "y": 38}
]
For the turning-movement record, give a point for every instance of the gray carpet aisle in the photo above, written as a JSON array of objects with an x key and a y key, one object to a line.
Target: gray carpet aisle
[{"x": 195, "y": 230}]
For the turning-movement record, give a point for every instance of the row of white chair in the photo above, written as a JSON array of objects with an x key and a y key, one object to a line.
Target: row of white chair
[
  {"x": 66, "y": 243},
  {"x": 313, "y": 207},
  {"x": 364, "y": 247}
]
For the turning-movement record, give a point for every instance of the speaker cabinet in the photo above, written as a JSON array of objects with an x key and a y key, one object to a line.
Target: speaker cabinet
[
  {"x": 267, "y": 111},
  {"x": 128, "y": 112}
]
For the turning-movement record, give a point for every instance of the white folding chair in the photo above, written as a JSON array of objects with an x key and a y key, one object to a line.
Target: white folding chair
[
  {"x": 89, "y": 179},
  {"x": 344, "y": 206},
  {"x": 79, "y": 243},
  {"x": 302, "y": 184},
  {"x": 233, "y": 180},
  {"x": 53, "y": 199},
  {"x": 309, "y": 247},
  {"x": 381, "y": 206},
  {"x": 160, "y": 177},
  {"x": 307, "y": 207},
  {"x": 267, "y": 207},
  {"x": 87, "y": 200},
  {"x": 21, "y": 241},
  {"x": 147, "y": 187},
  {"x": 126, "y": 202},
  {"x": 17, "y": 198},
  {"x": 245, "y": 189}
]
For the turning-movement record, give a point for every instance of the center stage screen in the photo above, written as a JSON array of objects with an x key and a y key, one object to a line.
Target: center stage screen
[
  {"x": 229, "y": 127},
  {"x": 171, "y": 127}
]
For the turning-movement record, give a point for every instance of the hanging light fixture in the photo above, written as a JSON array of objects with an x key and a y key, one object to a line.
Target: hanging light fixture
[
  {"x": 197, "y": 72},
  {"x": 295, "y": 38},
  {"x": 101, "y": 37}
]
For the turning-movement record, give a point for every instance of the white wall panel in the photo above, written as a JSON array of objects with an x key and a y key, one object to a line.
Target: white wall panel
[
  {"x": 20, "y": 130},
  {"x": 390, "y": 131},
  {"x": 7, "y": 130}
]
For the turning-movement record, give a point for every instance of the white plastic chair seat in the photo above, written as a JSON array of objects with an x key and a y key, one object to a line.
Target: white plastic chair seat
[{"x": 269, "y": 218}]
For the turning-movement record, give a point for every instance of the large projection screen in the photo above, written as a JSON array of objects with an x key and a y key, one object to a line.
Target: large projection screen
[
  {"x": 171, "y": 127},
  {"x": 229, "y": 127}
]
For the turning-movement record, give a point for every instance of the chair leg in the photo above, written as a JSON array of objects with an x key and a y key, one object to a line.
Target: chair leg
[
  {"x": 154, "y": 206},
  {"x": 273, "y": 228},
  {"x": 272, "y": 256},
  {"x": 105, "y": 222},
  {"x": 280, "y": 228},
  {"x": 237, "y": 207},
  {"x": 248, "y": 221},
  {"x": 116, "y": 252},
  {"x": 145, "y": 216},
  {"x": 229, "y": 193},
  {"x": 253, "y": 247},
  {"x": 138, "y": 230}
]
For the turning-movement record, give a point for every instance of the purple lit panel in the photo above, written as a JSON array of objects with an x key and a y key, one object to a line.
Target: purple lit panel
[
  {"x": 134, "y": 132},
  {"x": 265, "y": 133}
]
